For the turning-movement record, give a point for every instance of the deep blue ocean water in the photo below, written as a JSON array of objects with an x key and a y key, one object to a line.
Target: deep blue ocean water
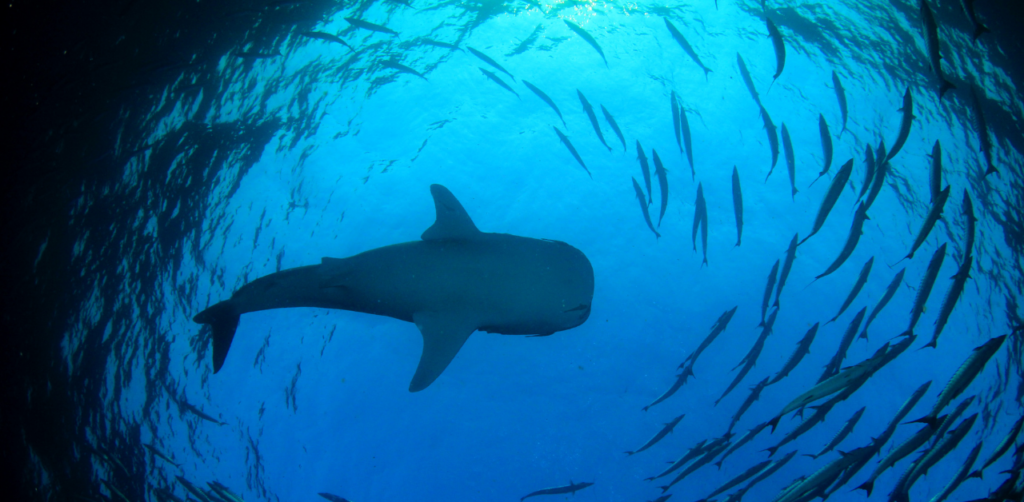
[{"x": 315, "y": 400}]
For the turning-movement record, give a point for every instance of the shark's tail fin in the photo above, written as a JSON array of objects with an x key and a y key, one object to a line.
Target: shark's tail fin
[{"x": 223, "y": 319}]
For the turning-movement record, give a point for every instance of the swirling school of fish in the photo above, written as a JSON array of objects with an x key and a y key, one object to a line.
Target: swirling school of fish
[{"x": 939, "y": 433}]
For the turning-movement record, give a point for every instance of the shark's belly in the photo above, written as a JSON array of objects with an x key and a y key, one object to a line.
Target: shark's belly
[{"x": 505, "y": 284}]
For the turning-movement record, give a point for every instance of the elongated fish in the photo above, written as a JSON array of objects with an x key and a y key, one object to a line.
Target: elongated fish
[
  {"x": 744, "y": 439},
  {"x": 401, "y": 68},
  {"x": 593, "y": 118},
  {"x": 803, "y": 347},
  {"x": 1005, "y": 444},
  {"x": 544, "y": 97},
  {"x": 787, "y": 265},
  {"x": 826, "y": 146},
  {"x": 881, "y": 170},
  {"x": 773, "y": 139},
  {"x": 862, "y": 279},
  {"x": 927, "y": 282},
  {"x": 327, "y": 37},
  {"x": 678, "y": 384},
  {"x": 816, "y": 484},
  {"x": 662, "y": 174},
  {"x": 787, "y": 150},
  {"x": 643, "y": 207},
  {"x": 366, "y": 25},
  {"x": 435, "y": 43},
  {"x": 908, "y": 119},
  {"x": 851, "y": 241},
  {"x": 747, "y": 80},
  {"x": 586, "y": 36},
  {"x": 931, "y": 35},
  {"x": 755, "y": 394},
  {"x": 934, "y": 455},
  {"x": 835, "y": 189},
  {"x": 645, "y": 168},
  {"x": 332, "y": 497},
  {"x": 961, "y": 475},
  {"x": 666, "y": 430},
  {"x": 765, "y": 474},
  {"x": 743, "y": 476},
  {"x": 968, "y": 6},
  {"x": 159, "y": 454},
  {"x": 981, "y": 127},
  {"x": 780, "y": 49},
  {"x": 572, "y": 150},
  {"x": 816, "y": 418},
  {"x": 702, "y": 204},
  {"x": 674, "y": 102},
  {"x": 968, "y": 212},
  {"x": 698, "y": 208},
  {"x": 737, "y": 204},
  {"x": 716, "y": 329},
  {"x": 879, "y": 441},
  {"x": 869, "y": 171},
  {"x": 841, "y": 435},
  {"x": 890, "y": 290},
  {"x": 919, "y": 439},
  {"x": 708, "y": 456},
  {"x": 686, "y": 46},
  {"x": 750, "y": 359},
  {"x": 963, "y": 377},
  {"x": 952, "y": 296},
  {"x": 570, "y": 488},
  {"x": 844, "y": 345},
  {"x": 694, "y": 452},
  {"x": 772, "y": 276},
  {"x": 487, "y": 59},
  {"x": 952, "y": 417},
  {"x": 841, "y": 96},
  {"x": 615, "y": 126},
  {"x": 528, "y": 41},
  {"x": 935, "y": 173},
  {"x": 499, "y": 81},
  {"x": 929, "y": 222},
  {"x": 684, "y": 127}
]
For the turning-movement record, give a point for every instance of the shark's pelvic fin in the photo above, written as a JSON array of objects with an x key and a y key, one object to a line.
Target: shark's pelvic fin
[
  {"x": 443, "y": 335},
  {"x": 453, "y": 222}
]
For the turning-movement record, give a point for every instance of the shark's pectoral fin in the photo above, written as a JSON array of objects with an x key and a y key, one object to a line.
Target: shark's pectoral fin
[
  {"x": 453, "y": 222},
  {"x": 443, "y": 336}
]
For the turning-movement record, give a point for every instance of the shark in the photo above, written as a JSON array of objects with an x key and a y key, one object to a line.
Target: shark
[{"x": 452, "y": 282}]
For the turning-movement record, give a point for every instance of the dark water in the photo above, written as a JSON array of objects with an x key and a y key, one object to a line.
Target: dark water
[{"x": 168, "y": 154}]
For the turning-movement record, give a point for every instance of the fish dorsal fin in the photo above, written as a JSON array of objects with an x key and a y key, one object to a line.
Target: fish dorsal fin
[
  {"x": 444, "y": 333},
  {"x": 452, "y": 223}
]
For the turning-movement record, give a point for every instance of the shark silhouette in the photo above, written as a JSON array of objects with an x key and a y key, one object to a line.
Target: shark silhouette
[{"x": 452, "y": 282}]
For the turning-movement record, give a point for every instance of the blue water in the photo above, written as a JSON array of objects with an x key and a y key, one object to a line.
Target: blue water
[{"x": 316, "y": 400}]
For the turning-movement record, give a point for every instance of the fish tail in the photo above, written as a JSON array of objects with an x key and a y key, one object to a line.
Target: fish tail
[
  {"x": 933, "y": 344},
  {"x": 707, "y": 71},
  {"x": 945, "y": 86},
  {"x": 771, "y": 450},
  {"x": 665, "y": 488},
  {"x": 991, "y": 169},
  {"x": 864, "y": 334},
  {"x": 979, "y": 31},
  {"x": 223, "y": 319},
  {"x": 928, "y": 419},
  {"x": 794, "y": 192},
  {"x": 705, "y": 262},
  {"x": 867, "y": 486},
  {"x": 630, "y": 452},
  {"x": 774, "y": 423}
]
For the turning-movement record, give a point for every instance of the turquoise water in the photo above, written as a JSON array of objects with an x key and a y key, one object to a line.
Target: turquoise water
[{"x": 322, "y": 152}]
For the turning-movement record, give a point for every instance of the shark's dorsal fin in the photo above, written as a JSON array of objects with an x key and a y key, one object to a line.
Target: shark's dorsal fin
[
  {"x": 444, "y": 333},
  {"x": 452, "y": 223}
]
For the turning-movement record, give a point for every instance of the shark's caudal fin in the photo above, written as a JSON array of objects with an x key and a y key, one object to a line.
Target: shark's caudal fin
[{"x": 223, "y": 319}]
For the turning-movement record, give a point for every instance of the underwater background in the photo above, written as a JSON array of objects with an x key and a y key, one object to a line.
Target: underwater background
[{"x": 190, "y": 148}]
